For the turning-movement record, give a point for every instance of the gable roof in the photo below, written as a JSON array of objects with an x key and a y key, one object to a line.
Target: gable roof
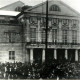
[
  {"x": 65, "y": 9},
  {"x": 12, "y": 6}
]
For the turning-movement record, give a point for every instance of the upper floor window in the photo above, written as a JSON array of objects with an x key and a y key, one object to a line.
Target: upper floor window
[
  {"x": 33, "y": 20},
  {"x": 33, "y": 34},
  {"x": 74, "y": 23},
  {"x": 18, "y": 8},
  {"x": 11, "y": 36},
  {"x": 65, "y": 36},
  {"x": 54, "y": 35},
  {"x": 74, "y": 36},
  {"x": 65, "y": 22},
  {"x": 43, "y": 36},
  {"x": 43, "y": 21},
  {"x": 55, "y": 21},
  {"x": 54, "y": 8}
]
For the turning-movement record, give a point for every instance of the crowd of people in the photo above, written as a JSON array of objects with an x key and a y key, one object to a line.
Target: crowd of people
[{"x": 50, "y": 70}]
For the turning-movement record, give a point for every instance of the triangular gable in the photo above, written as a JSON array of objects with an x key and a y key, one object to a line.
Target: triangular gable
[
  {"x": 12, "y": 6},
  {"x": 65, "y": 9}
]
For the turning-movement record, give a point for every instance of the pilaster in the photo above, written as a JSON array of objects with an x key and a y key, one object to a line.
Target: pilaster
[
  {"x": 39, "y": 31},
  {"x": 60, "y": 31}
]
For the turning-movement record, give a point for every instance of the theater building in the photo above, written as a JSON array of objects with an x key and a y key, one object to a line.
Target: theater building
[
  {"x": 63, "y": 32},
  {"x": 23, "y": 36}
]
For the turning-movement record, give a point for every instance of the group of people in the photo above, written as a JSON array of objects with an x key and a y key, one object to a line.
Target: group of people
[{"x": 50, "y": 70}]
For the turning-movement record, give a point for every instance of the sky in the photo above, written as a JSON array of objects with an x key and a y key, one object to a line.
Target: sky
[{"x": 75, "y": 4}]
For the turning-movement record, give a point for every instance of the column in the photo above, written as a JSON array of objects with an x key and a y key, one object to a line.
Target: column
[
  {"x": 66, "y": 54},
  {"x": 76, "y": 55},
  {"x": 39, "y": 31},
  {"x": 55, "y": 54},
  {"x": 43, "y": 55},
  {"x": 31, "y": 55},
  {"x": 60, "y": 31}
]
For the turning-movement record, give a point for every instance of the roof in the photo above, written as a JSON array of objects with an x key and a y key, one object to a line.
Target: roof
[
  {"x": 26, "y": 7},
  {"x": 8, "y": 13},
  {"x": 12, "y": 6},
  {"x": 66, "y": 9}
]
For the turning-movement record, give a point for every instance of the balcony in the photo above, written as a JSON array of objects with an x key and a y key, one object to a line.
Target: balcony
[{"x": 53, "y": 45}]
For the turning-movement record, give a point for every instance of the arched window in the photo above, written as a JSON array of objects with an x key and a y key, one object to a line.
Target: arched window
[
  {"x": 54, "y": 8},
  {"x": 18, "y": 8}
]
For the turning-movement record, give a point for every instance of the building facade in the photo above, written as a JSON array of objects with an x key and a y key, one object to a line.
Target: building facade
[{"x": 23, "y": 37}]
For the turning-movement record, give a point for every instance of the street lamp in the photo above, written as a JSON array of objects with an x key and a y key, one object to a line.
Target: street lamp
[{"x": 46, "y": 31}]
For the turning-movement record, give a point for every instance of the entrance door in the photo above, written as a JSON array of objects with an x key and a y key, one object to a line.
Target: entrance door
[
  {"x": 61, "y": 54},
  {"x": 49, "y": 55},
  {"x": 79, "y": 55},
  {"x": 37, "y": 55},
  {"x": 71, "y": 55}
]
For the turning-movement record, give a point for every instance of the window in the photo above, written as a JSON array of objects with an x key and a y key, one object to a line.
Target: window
[
  {"x": 65, "y": 22},
  {"x": 74, "y": 21},
  {"x": 43, "y": 36},
  {"x": 74, "y": 36},
  {"x": 54, "y": 35},
  {"x": 55, "y": 21},
  {"x": 3, "y": 21},
  {"x": 11, "y": 55},
  {"x": 33, "y": 20},
  {"x": 18, "y": 9},
  {"x": 65, "y": 36},
  {"x": 54, "y": 8},
  {"x": 43, "y": 21},
  {"x": 33, "y": 34},
  {"x": 11, "y": 36}
]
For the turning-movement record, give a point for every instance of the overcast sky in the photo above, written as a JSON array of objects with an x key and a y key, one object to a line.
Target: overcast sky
[{"x": 75, "y": 4}]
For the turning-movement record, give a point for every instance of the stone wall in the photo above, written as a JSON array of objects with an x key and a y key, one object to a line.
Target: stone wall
[{"x": 6, "y": 46}]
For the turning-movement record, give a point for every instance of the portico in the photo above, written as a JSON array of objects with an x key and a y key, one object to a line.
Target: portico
[{"x": 60, "y": 54}]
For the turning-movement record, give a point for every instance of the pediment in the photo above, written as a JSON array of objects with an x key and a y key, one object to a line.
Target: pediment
[{"x": 64, "y": 9}]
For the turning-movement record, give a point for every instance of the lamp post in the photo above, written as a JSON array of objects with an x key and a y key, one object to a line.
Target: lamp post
[{"x": 46, "y": 30}]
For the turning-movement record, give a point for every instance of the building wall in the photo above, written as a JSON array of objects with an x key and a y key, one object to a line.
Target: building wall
[
  {"x": 72, "y": 24},
  {"x": 4, "y": 52},
  {"x": 65, "y": 19},
  {"x": 26, "y": 39},
  {"x": 10, "y": 40},
  {"x": 4, "y": 35}
]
